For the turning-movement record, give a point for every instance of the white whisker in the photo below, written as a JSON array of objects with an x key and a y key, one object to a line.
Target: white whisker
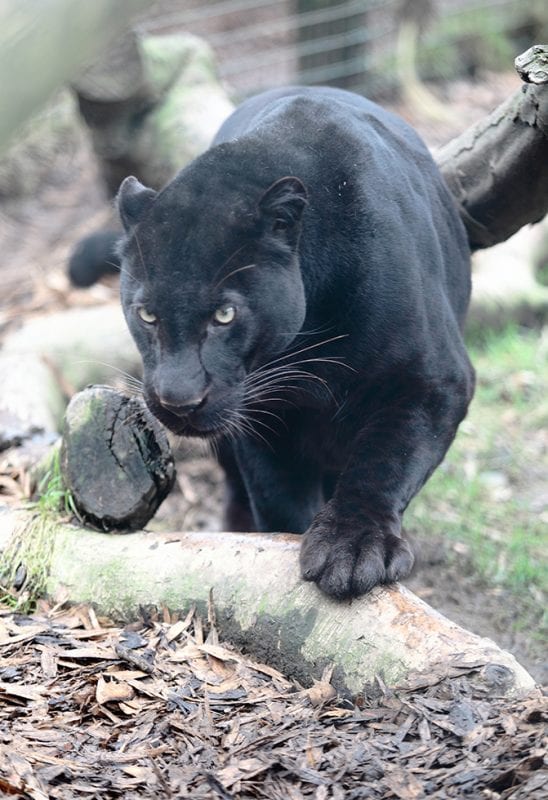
[
  {"x": 305, "y": 349},
  {"x": 234, "y": 271}
]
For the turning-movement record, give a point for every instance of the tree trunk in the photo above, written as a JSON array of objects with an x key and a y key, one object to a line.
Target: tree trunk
[{"x": 498, "y": 169}]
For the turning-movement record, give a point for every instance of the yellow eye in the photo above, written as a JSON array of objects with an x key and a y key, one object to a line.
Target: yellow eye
[
  {"x": 224, "y": 315},
  {"x": 146, "y": 316}
]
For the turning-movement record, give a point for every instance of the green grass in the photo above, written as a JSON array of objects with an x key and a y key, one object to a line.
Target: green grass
[
  {"x": 488, "y": 493},
  {"x": 53, "y": 497},
  {"x": 31, "y": 546}
]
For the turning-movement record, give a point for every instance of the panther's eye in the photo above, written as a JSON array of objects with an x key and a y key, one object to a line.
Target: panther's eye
[
  {"x": 224, "y": 315},
  {"x": 280, "y": 225},
  {"x": 146, "y": 316}
]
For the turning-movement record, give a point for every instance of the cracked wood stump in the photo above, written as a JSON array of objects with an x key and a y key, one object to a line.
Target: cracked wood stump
[{"x": 115, "y": 459}]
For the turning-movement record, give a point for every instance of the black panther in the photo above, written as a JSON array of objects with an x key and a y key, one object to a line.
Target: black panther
[{"x": 298, "y": 294}]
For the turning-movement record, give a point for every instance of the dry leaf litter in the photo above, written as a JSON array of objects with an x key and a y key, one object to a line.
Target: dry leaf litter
[{"x": 162, "y": 708}]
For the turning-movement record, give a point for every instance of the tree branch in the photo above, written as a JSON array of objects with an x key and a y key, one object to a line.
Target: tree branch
[{"x": 498, "y": 169}]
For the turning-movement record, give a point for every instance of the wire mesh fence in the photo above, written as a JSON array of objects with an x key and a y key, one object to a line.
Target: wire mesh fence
[{"x": 354, "y": 44}]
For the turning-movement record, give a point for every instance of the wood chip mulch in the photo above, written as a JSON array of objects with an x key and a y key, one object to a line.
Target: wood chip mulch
[{"x": 161, "y": 708}]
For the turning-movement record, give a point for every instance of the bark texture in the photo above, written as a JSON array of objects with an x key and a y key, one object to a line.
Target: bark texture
[
  {"x": 498, "y": 169},
  {"x": 262, "y": 604}
]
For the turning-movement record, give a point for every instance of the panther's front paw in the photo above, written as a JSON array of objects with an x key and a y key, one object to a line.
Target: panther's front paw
[{"x": 348, "y": 560}]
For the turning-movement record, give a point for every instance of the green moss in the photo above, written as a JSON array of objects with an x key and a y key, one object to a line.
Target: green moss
[
  {"x": 350, "y": 655},
  {"x": 390, "y": 668},
  {"x": 26, "y": 561},
  {"x": 53, "y": 497},
  {"x": 188, "y": 586}
]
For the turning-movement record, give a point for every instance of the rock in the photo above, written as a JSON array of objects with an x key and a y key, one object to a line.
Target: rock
[{"x": 115, "y": 459}]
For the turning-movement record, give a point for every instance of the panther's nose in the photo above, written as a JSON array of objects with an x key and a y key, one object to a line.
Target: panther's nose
[{"x": 183, "y": 408}]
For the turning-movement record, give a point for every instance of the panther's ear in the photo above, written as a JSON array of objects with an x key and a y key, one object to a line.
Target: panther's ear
[
  {"x": 284, "y": 202},
  {"x": 133, "y": 201}
]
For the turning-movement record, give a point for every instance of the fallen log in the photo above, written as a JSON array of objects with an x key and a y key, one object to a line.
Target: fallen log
[
  {"x": 52, "y": 356},
  {"x": 505, "y": 287},
  {"x": 262, "y": 605}
]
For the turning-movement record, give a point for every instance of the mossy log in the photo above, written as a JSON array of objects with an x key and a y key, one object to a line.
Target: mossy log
[
  {"x": 262, "y": 605},
  {"x": 55, "y": 355},
  {"x": 505, "y": 287},
  {"x": 169, "y": 84}
]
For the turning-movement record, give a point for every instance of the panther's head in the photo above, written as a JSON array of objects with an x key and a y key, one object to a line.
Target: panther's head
[{"x": 211, "y": 286}]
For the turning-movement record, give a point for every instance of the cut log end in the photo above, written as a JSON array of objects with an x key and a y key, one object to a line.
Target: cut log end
[
  {"x": 115, "y": 459},
  {"x": 532, "y": 66}
]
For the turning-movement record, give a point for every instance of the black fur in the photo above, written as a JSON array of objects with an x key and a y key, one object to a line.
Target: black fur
[
  {"x": 94, "y": 256},
  {"x": 322, "y": 222}
]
